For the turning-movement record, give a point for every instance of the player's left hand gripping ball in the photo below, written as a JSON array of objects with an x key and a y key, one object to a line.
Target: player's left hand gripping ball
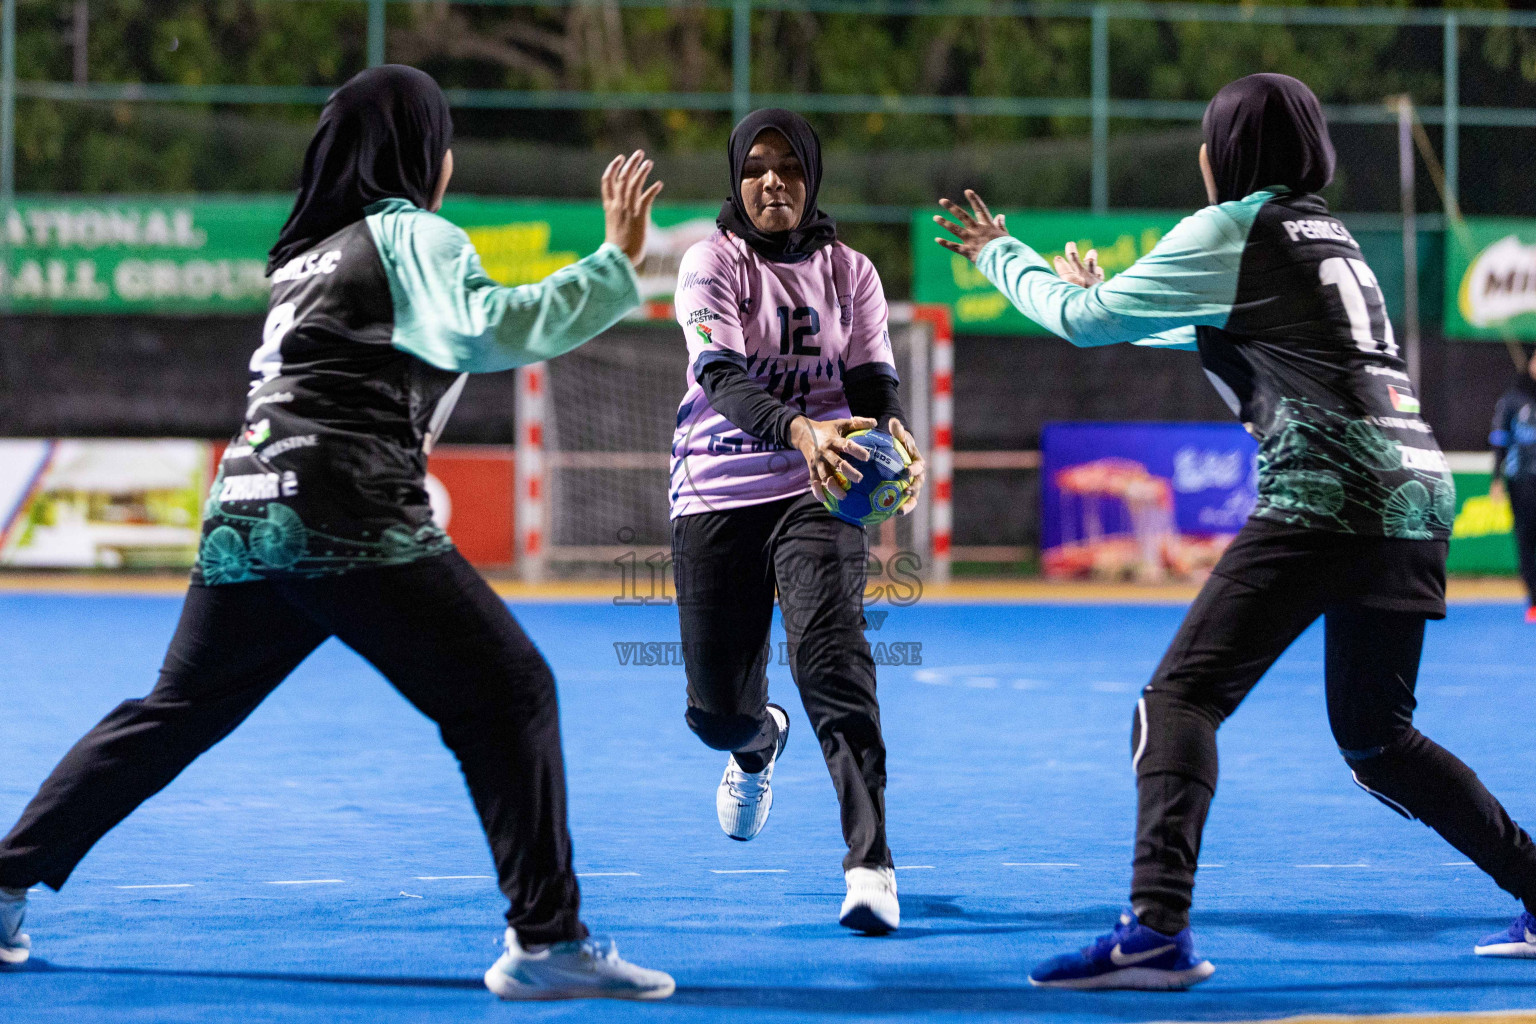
[{"x": 884, "y": 486}]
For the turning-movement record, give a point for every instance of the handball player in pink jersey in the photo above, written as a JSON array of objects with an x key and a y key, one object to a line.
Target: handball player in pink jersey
[{"x": 789, "y": 352}]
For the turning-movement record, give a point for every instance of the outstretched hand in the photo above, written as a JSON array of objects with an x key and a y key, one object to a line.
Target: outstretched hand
[
  {"x": 1084, "y": 272},
  {"x": 627, "y": 202},
  {"x": 975, "y": 228}
]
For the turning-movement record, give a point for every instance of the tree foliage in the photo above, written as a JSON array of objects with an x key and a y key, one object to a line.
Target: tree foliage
[{"x": 678, "y": 48}]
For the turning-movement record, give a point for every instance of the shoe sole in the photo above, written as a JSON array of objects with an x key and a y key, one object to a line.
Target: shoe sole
[
  {"x": 759, "y": 831},
  {"x": 1144, "y": 979},
  {"x": 778, "y": 750},
  {"x": 864, "y": 919},
  {"x": 513, "y": 993},
  {"x": 1508, "y": 950},
  {"x": 14, "y": 956}
]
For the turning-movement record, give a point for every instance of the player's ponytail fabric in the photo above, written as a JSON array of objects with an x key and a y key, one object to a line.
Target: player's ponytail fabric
[
  {"x": 1266, "y": 130},
  {"x": 816, "y": 228},
  {"x": 381, "y": 135}
]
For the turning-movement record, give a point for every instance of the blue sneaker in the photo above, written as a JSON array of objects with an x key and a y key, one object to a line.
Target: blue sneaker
[
  {"x": 1518, "y": 940},
  {"x": 1131, "y": 956},
  {"x": 15, "y": 946}
]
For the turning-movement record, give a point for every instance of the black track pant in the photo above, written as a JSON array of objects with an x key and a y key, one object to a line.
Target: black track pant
[
  {"x": 434, "y": 628},
  {"x": 727, "y": 566},
  {"x": 1522, "y": 500},
  {"x": 1374, "y": 596}
]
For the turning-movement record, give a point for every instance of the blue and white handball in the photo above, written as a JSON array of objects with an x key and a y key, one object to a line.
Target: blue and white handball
[{"x": 875, "y": 498}]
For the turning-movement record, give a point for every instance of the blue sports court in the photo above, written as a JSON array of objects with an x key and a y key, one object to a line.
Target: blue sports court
[{"x": 323, "y": 864}]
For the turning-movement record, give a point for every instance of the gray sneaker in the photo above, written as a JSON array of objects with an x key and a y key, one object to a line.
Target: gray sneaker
[
  {"x": 585, "y": 969},
  {"x": 15, "y": 944}
]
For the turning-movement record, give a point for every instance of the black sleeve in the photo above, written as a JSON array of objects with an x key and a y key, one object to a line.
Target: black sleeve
[
  {"x": 745, "y": 402},
  {"x": 1498, "y": 437},
  {"x": 872, "y": 391}
]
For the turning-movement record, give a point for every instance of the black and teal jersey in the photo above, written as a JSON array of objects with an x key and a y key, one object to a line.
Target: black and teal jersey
[
  {"x": 1292, "y": 330},
  {"x": 1513, "y": 437},
  {"x": 367, "y": 338}
]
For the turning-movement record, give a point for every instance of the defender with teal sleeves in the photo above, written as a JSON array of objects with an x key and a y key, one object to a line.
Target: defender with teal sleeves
[
  {"x": 1291, "y": 328},
  {"x": 368, "y": 335}
]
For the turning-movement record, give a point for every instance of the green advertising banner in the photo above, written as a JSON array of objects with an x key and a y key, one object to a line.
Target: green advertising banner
[
  {"x": 200, "y": 255},
  {"x": 1482, "y": 541},
  {"x": 139, "y": 255},
  {"x": 1490, "y": 280},
  {"x": 941, "y": 276}
]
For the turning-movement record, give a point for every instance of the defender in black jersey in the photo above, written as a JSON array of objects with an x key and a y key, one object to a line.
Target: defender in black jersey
[
  {"x": 318, "y": 525},
  {"x": 1354, "y": 509},
  {"x": 1513, "y": 439}
]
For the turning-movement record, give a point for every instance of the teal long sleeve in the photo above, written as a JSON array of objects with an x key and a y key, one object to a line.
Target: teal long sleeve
[
  {"x": 449, "y": 313},
  {"x": 1189, "y": 279}
]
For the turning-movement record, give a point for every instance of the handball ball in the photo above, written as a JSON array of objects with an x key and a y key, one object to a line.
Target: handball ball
[{"x": 875, "y": 498}]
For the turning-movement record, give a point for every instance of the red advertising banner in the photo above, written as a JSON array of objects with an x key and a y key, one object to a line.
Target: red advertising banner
[{"x": 471, "y": 489}]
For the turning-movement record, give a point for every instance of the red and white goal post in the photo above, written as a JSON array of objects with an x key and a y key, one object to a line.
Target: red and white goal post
[{"x": 594, "y": 434}]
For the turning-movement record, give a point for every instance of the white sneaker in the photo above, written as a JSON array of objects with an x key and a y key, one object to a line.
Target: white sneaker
[
  {"x": 871, "y": 906},
  {"x": 1518, "y": 940},
  {"x": 585, "y": 969},
  {"x": 743, "y": 799},
  {"x": 15, "y": 945}
]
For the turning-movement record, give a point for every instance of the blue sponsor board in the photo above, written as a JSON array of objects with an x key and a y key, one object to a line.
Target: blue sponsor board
[{"x": 1146, "y": 499}]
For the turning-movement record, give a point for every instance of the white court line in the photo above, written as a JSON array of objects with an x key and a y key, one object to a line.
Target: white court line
[
  {"x": 176, "y": 885},
  {"x": 446, "y": 878},
  {"x": 1207, "y": 867},
  {"x": 749, "y": 871},
  {"x": 1039, "y": 864},
  {"x": 1332, "y": 865},
  {"x": 1458, "y": 864},
  {"x": 311, "y": 881},
  {"x": 914, "y": 867},
  {"x": 607, "y": 874}
]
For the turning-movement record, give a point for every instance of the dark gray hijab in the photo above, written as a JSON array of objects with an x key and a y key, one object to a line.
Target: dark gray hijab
[
  {"x": 381, "y": 135},
  {"x": 1267, "y": 130}
]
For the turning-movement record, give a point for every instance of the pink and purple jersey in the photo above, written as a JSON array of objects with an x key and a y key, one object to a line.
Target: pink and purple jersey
[{"x": 796, "y": 328}]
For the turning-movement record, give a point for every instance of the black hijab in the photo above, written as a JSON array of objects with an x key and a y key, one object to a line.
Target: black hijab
[
  {"x": 816, "y": 228},
  {"x": 1267, "y": 130},
  {"x": 382, "y": 134},
  {"x": 1523, "y": 382}
]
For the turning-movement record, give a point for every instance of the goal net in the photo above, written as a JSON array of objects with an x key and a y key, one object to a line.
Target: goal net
[{"x": 594, "y": 449}]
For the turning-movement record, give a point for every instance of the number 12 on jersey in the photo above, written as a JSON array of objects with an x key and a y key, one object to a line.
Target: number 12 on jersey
[
  {"x": 1352, "y": 277},
  {"x": 810, "y": 326}
]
